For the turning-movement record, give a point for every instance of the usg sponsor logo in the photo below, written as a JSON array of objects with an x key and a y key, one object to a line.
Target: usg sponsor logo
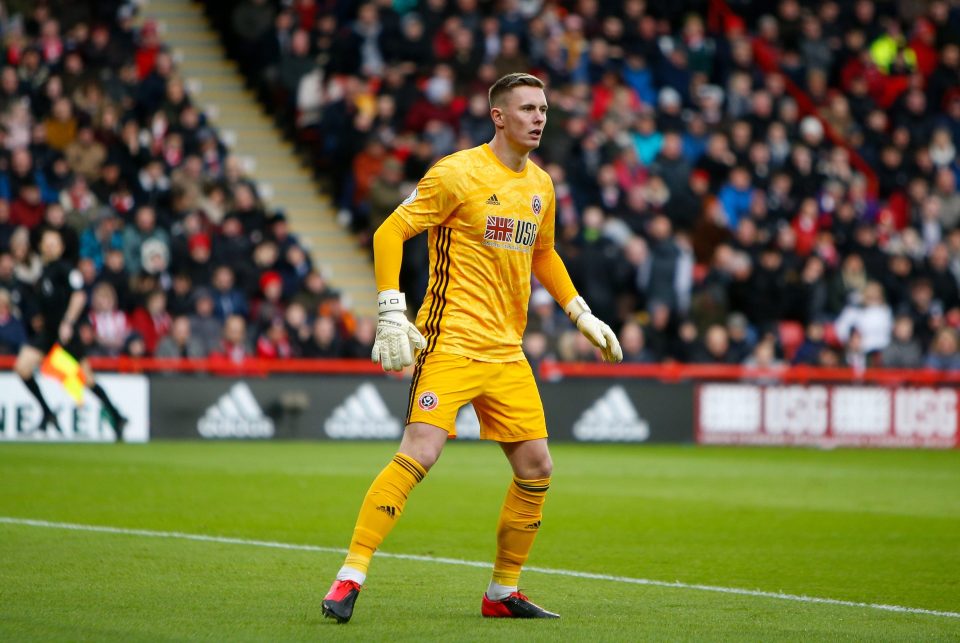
[
  {"x": 612, "y": 417},
  {"x": 362, "y": 415},
  {"x": 236, "y": 415}
]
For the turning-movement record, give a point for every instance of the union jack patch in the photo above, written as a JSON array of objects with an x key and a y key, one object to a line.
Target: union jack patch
[
  {"x": 499, "y": 229},
  {"x": 428, "y": 401},
  {"x": 537, "y": 204}
]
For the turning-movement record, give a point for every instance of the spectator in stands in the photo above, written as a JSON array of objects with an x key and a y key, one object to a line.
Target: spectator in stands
[
  {"x": 152, "y": 321},
  {"x": 234, "y": 346},
  {"x": 228, "y": 300},
  {"x": 716, "y": 347},
  {"x": 143, "y": 229},
  {"x": 12, "y": 331},
  {"x": 944, "y": 354},
  {"x": 904, "y": 351},
  {"x": 204, "y": 324},
  {"x": 872, "y": 319},
  {"x": 110, "y": 325},
  {"x": 325, "y": 342},
  {"x": 100, "y": 237},
  {"x": 26, "y": 263},
  {"x": 632, "y": 342},
  {"x": 180, "y": 342},
  {"x": 274, "y": 341}
]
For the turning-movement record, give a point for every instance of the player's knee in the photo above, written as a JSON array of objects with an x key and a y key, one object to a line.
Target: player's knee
[
  {"x": 424, "y": 443},
  {"x": 24, "y": 366},
  {"x": 535, "y": 468}
]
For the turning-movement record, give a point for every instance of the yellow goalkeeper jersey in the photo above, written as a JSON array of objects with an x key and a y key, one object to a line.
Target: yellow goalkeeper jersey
[{"x": 484, "y": 221}]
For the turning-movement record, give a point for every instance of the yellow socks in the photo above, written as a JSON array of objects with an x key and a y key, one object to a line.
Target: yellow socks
[
  {"x": 381, "y": 508},
  {"x": 519, "y": 522}
]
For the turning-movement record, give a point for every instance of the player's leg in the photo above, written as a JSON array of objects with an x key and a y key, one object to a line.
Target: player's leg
[
  {"x": 26, "y": 364},
  {"x": 117, "y": 419},
  {"x": 382, "y": 506},
  {"x": 520, "y": 428},
  {"x": 441, "y": 385}
]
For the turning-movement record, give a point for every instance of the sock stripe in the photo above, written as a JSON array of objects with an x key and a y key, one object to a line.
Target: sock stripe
[
  {"x": 414, "y": 471},
  {"x": 532, "y": 488}
]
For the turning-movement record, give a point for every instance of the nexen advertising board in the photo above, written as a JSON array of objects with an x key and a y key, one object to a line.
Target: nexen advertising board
[{"x": 20, "y": 414}]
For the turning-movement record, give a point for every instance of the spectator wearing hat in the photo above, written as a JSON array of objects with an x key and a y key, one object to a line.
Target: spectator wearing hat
[
  {"x": 198, "y": 264},
  {"x": 269, "y": 305}
]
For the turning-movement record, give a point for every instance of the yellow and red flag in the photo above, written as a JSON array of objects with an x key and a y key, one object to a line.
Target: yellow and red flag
[{"x": 62, "y": 366}]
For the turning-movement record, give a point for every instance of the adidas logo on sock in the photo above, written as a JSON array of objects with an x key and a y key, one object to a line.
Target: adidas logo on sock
[
  {"x": 387, "y": 509},
  {"x": 534, "y": 525},
  {"x": 493, "y": 200}
]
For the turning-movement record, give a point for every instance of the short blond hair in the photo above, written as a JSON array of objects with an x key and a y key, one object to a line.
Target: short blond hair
[{"x": 506, "y": 83}]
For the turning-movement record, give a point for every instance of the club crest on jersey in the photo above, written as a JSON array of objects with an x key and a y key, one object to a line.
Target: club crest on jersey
[
  {"x": 536, "y": 204},
  {"x": 428, "y": 401}
]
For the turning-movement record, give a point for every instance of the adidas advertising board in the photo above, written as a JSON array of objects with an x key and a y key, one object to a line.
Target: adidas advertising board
[
  {"x": 359, "y": 407},
  {"x": 235, "y": 414},
  {"x": 20, "y": 414}
]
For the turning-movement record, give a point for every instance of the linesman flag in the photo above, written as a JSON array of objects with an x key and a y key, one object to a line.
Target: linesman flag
[{"x": 62, "y": 366}]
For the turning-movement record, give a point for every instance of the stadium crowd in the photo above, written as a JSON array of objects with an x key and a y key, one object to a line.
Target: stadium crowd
[
  {"x": 698, "y": 207},
  {"x": 99, "y": 140},
  {"x": 718, "y": 212}
]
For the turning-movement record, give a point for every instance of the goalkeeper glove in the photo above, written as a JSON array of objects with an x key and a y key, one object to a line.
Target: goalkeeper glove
[
  {"x": 397, "y": 338},
  {"x": 599, "y": 334}
]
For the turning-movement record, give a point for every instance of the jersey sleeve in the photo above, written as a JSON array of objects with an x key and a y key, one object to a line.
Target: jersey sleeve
[
  {"x": 434, "y": 199},
  {"x": 545, "y": 237}
]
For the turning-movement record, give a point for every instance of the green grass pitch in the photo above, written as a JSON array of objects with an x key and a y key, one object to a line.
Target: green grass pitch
[{"x": 862, "y": 526}]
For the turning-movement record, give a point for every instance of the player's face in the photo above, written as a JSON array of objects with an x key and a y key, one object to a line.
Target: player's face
[
  {"x": 523, "y": 116},
  {"x": 51, "y": 247}
]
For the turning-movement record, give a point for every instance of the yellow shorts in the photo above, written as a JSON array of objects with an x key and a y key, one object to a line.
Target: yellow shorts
[{"x": 504, "y": 395}]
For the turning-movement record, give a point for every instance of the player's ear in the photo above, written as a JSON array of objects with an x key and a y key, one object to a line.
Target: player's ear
[{"x": 496, "y": 113}]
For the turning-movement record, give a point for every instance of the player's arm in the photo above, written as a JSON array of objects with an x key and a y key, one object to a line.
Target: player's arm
[
  {"x": 397, "y": 339},
  {"x": 78, "y": 301},
  {"x": 429, "y": 205},
  {"x": 550, "y": 271}
]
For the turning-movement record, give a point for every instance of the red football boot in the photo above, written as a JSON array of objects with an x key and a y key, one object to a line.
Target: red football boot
[
  {"x": 338, "y": 603},
  {"x": 514, "y": 606}
]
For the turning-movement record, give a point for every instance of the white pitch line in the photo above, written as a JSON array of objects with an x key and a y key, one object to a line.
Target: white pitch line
[{"x": 226, "y": 540}]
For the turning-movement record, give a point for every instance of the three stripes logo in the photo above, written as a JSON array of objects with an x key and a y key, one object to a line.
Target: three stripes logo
[
  {"x": 236, "y": 415},
  {"x": 493, "y": 200},
  {"x": 362, "y": 415},
  {"x": 533, "y": 525},
  {"x": 612, "y": 418},
  {"x": 389, "y": 510}
]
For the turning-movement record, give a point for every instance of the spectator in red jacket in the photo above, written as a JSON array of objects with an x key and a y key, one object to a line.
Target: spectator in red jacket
[{"x": 152, "y": 320}]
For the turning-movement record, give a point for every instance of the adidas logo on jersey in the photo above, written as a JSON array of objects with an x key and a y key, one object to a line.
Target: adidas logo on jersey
[
  {"x": 362, "y": 415},
  {"x": 236, "y": 415},
  {"x": 493, "y": 200},
  {"x": 613, "y": 417}
]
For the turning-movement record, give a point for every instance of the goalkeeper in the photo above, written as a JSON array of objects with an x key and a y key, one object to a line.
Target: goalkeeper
[{"x": 489, "y": 214}]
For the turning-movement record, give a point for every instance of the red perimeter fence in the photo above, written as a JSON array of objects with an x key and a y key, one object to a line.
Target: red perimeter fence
[{"x": 548, "y": 370}]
